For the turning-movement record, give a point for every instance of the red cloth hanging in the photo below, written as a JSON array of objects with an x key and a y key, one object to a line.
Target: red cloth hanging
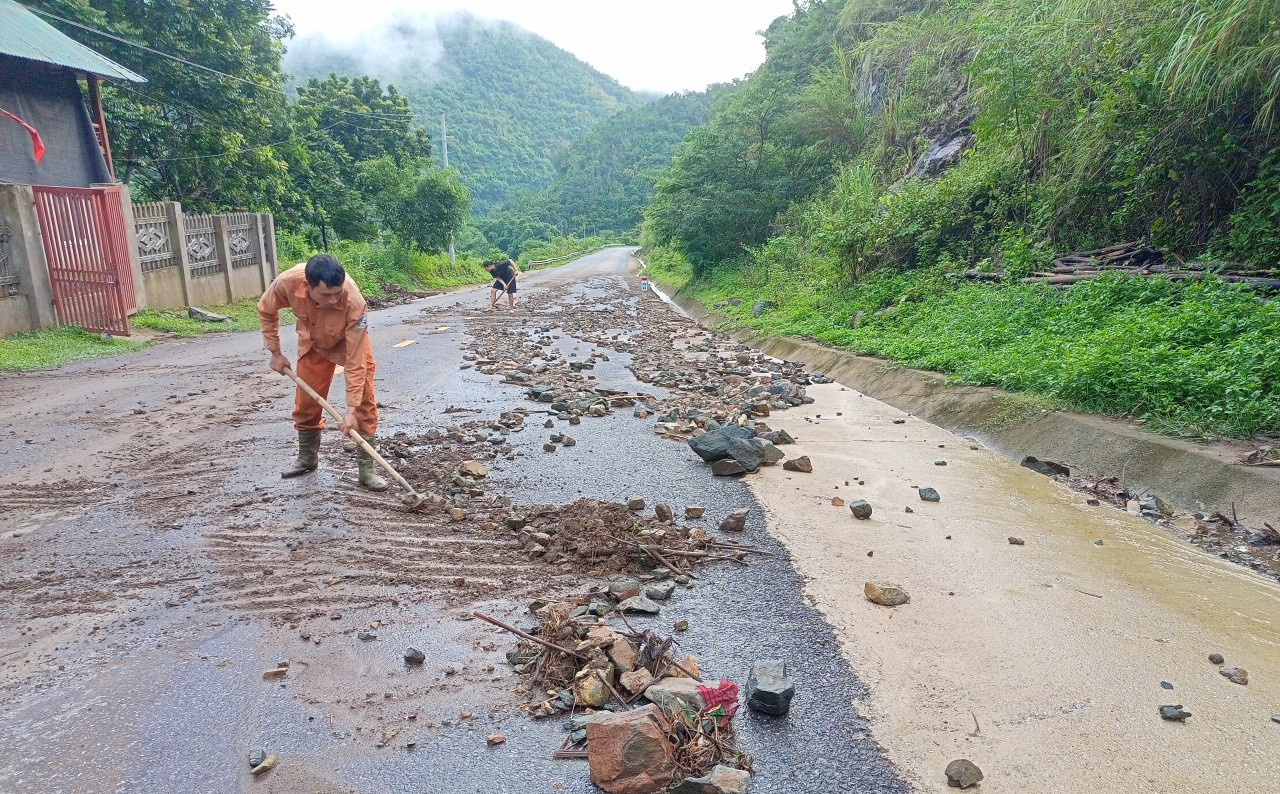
[{"x": 36, "y": 144}]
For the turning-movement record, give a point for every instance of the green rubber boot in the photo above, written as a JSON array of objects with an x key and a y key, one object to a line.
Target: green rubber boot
[
  {"x": 308, "y": 454},
  {"x": 369, "y": 476}
]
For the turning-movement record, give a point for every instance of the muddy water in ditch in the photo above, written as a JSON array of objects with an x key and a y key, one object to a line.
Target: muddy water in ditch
[{"x": 1045, "y": 663}]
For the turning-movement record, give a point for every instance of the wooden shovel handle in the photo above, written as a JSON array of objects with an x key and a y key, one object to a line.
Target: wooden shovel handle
[{"x": 355, "y": 436}]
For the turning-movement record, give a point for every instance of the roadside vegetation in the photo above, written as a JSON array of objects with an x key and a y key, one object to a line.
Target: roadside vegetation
[
  {"x": 53, "y": 346},
  {"x": 1189, "y": 358},
  {"x": 243, "y": 316},
  {"x": 887, "y": 146}
]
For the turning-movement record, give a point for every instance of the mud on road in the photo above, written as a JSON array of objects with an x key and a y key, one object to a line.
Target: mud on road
[{"x": 155, "y": 565}]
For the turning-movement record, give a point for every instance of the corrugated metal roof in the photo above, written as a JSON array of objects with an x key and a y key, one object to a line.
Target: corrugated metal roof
[{"x": 25, "y": 35}]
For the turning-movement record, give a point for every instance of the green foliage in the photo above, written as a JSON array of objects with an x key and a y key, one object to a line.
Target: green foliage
[
  {"x": 604, "y": 180},
  {"x": 243, "y": 314},
  {"x": 1191, "y": 357},
  {"x": 667, "y": 266},
  {"x": 423, "y": 207},
  {"x": 51, "y": 347},
  {"x": 187, "y": 134},
  {"x": 372, "y": 265},
  {"x": 1082, "y": 123},
  {"x": 512, "y": 100},
  {"x": 354, "y": 127},
  {"x": 1254, "y": 234},
  {"x": 556, "y": 247}
]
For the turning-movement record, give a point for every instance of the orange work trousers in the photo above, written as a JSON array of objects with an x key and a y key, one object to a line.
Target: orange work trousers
[{"x": 317, "y": 372}]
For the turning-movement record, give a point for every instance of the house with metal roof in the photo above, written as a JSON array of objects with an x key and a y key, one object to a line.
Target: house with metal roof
[
  {"x": 67, "y": 244},
  {"x": 49, "y": 135}
]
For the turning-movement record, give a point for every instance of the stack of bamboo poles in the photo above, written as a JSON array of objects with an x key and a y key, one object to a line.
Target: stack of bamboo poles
[{"x": 1136, "y": 259}]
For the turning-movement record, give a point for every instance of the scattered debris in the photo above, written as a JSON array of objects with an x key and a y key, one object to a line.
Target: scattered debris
[
  {"x": 629, "y": 753},
  {"x": 275, "y": 672},
  {"x": 801, "y": 464},
  {"x": 1046, "y": 467},
  {"x": 727, "y": 468},
  {"x": 963, "y": 773},
  {"x": 268, "y": 764},
  {"x": 1236, "y": 675},
  {"x": 1174, "y": 713},
  {"x": 720, "y": 780},
  {"x": 885, "y": 593},
  {"x": 1016, "y": 541},
  {"x": 770, "y": 688},
  {"x": 735, "y": 521}
]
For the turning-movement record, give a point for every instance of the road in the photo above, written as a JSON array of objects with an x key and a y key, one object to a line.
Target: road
[{"x": 156, "y": 565}]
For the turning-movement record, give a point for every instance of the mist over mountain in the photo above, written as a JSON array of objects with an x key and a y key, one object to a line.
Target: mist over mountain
[{"x": 513, "y": 101}]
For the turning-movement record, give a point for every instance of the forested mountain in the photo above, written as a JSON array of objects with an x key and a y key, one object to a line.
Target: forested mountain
[
  {"x": 513, "y": 101},
  {"x": 605, "y": 179}
]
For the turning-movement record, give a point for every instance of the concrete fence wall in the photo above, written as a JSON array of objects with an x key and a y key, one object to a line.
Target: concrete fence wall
[
  {"x": 177, "y": 259},
  {"x": 198, "y": 259}
]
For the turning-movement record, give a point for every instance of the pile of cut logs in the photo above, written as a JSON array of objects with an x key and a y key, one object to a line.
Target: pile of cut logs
[{"x": 1138, "y": 259}]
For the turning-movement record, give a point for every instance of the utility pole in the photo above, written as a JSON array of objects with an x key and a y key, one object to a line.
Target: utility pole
[{"x": 444, "y": 148}]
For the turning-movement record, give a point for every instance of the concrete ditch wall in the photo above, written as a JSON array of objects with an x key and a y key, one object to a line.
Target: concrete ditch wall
[{"x": 1189, "y": 476}]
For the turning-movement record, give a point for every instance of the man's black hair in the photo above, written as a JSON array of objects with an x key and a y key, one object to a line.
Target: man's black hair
[{"x": 326, "y": 268}]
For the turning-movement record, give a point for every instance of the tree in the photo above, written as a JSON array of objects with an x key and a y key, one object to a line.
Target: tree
[
  {"x": 188, "y": 134},
  {"x": 419, "y": 204}
]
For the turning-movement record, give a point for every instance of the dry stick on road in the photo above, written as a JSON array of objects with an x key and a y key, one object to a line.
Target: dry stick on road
[
  {"x": 739, "y": 547},
  {"x": 527, "y": 636},
  {"x": 605, "y": 680},
  {"x": 654, "y": 554}
]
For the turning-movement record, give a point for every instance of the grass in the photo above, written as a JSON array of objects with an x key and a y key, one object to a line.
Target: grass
[
  {"x": 243, "y": 314},
  {"x": 1192, "y": 358},
  {"x": 53, "y": 346}
]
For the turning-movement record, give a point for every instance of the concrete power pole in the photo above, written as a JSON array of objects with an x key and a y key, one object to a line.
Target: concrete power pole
[{"x": 444, "y": 148}]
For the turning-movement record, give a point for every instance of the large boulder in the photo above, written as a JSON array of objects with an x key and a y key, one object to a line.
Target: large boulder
[
  {"x": 746, "y": 452},
  {"x": 628, "y": 753},
  {"x": 713, "y": 445}
]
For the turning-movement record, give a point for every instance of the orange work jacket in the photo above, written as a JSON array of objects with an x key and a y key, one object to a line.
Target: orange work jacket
[{"x": 340, "y": 334}]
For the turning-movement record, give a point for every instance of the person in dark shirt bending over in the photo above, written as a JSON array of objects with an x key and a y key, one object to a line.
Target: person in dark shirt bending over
[{"x": 504, "y": 275}]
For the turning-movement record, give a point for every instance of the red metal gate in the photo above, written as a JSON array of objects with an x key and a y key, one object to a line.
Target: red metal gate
[{"x": 87, "y": 250}]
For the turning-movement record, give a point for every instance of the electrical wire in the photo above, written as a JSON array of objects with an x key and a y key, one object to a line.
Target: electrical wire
[{"x": 281, "y": 92}]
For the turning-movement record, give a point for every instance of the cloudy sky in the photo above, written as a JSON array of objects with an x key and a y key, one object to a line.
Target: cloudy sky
[{"x": 663, "y": 45}]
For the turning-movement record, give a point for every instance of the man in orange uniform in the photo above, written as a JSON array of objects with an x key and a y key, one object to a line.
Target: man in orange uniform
[{"x": 333, "y": 329}]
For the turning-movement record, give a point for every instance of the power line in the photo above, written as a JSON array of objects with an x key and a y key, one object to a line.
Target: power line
[{"x": 281, "y": 92}]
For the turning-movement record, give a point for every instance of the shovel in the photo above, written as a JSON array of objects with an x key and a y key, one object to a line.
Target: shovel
[{"x": 411, "y": 498}]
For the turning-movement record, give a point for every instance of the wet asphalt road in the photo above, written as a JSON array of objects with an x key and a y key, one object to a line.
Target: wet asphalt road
[{"x": 129, "y": 719}]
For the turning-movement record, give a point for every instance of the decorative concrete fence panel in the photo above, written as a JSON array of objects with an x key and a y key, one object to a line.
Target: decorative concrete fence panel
[{"x": 200, "y": 259}]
